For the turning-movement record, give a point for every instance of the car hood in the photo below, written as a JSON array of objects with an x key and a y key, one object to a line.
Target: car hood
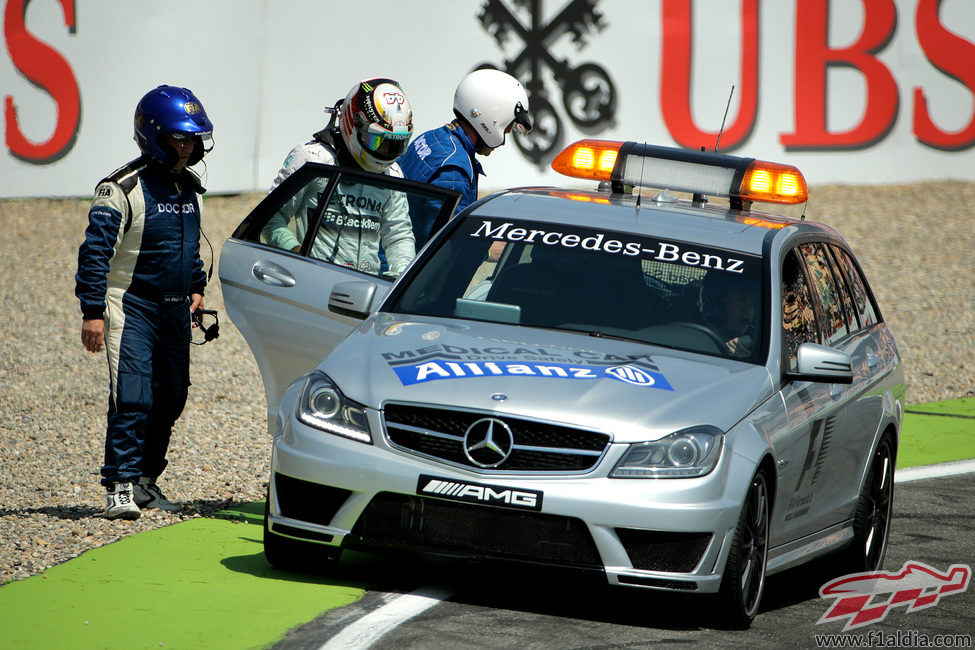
[{"x": 631, "y": 390}]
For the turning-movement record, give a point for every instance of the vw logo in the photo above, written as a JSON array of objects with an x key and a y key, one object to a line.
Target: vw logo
[{"x": 488, "y": 442}]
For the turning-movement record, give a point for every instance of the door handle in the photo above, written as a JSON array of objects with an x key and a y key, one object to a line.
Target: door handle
[
  {"x": 872, "y": 360},
  {"x": 835, "y": 390},
  {"x": 270, "y": 273}
]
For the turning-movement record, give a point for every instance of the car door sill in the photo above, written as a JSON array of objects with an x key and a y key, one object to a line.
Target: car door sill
[{"x": 801, "y": 550}]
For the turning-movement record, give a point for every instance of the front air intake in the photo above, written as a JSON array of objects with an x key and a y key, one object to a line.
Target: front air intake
[
  {"x": 653, "y": 550},
  {"x": 430, "y": 525},
  {"x": 307, "y": 501}
]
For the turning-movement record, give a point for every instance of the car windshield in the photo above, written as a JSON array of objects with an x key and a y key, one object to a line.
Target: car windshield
[{"x": 603, "y": 283}]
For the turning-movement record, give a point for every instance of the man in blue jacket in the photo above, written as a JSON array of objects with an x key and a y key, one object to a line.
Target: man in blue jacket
[
  {"x": 140, "y": 277},
  {"x": 487, "y": 104}
]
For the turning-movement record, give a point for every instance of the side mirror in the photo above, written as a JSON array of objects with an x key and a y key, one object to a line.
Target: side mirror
[
  {"x": 353, "y": 299},
  {"x": 823, "y": 364}
]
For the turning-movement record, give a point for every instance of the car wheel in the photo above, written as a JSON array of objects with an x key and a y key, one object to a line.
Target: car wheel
[
  {"x": 744, "y": 576},
  {"x": 871, "y": 521},
  {"x": 294, "y": 555}
]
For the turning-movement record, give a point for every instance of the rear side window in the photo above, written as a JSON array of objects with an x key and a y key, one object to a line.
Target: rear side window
[
  {"x": 843, "y": 289},
  {"x": 834, "y": 322},
  {"x": 857, "y": 286}
]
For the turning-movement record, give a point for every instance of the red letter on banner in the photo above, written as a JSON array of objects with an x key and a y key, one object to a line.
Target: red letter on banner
[
  {"x": 813, "y": 59},
  {"x": 952, "y": 55},
  {"x": 47, "y": 69},
  {"x": 675, "y": 100}
]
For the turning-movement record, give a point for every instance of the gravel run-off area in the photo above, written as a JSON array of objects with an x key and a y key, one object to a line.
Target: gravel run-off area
[{"x": 916, "y": 243}]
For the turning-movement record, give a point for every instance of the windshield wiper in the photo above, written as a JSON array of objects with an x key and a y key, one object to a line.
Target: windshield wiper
[{"x": 603, "y": 335}]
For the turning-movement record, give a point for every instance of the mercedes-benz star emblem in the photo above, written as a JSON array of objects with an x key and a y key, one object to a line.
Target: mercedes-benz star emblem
[{"x": 488, "y": 442}]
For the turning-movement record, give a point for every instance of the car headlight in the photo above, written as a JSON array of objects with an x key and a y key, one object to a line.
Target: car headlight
[
  {"x": 683, "y": 454},
  {"x": 323, "y": 406}
]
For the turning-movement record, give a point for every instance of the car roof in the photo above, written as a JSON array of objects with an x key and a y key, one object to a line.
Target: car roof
[{"x": 659, "y": 215}]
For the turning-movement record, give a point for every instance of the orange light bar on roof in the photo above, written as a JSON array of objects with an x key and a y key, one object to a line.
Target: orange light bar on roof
[
  {"x": 773, "y": 183},
  {"x": 631, "y": 164},
  {"x": 591, "y": 159}
]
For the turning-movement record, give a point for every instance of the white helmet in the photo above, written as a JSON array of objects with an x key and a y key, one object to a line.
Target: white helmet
[
  {"x": 491, "y": 101},
  {"x": 376, "y": 121}
]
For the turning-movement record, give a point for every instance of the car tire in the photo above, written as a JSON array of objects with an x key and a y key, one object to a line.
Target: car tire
[
  {"x": 871, "y": 520},
  {"x": 743, "y": 581},
  {"x": 290, "y": 554}
]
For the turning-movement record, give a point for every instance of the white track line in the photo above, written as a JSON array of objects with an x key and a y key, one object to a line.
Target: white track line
[
  {"x": 934, "y": 471},
  {"x": 368, "y": 629}
]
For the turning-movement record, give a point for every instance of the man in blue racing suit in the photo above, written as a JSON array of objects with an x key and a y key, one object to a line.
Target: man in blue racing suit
[
  {"x": 140, "y": 276},
  {"x": 487, "y": 104}
]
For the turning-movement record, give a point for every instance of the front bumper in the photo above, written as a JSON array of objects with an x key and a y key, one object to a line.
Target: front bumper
[{"x": 669, "y": 534}]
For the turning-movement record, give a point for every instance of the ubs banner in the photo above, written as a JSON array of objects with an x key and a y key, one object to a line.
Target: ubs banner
[{"x": 850, "y": 91}]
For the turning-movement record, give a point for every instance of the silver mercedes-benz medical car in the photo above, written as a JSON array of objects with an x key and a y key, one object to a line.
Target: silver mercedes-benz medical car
[{"x": 679, "y": 394}]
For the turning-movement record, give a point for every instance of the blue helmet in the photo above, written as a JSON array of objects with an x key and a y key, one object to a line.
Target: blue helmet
[{"x": 165, "y": 110}]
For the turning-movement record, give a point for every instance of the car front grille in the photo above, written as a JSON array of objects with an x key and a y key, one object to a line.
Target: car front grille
[
  {"x": 430, "y": 525},
  {"x": 538, "y": 446}
]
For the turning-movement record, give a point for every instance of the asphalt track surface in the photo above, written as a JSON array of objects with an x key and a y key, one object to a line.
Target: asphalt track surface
[{"x": 205, "y": 584}]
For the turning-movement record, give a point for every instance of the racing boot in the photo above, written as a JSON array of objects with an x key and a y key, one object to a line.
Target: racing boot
[
  {"x": 121, "y": 503},
  {"x": 148, "y": 495}
]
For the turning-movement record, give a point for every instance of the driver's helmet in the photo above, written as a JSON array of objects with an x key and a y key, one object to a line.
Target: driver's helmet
[
  {"x": 491, "y": 101},
  {"x": 170, "y": 109},
  {"x": 376, "y": 122}
]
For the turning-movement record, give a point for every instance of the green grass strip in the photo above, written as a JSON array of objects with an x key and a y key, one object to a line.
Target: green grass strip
[
  {"x": 938, "y": 432},
  {"x": 201, "y": 584}
]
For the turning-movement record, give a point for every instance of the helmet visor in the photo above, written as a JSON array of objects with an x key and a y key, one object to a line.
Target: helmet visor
[{"x": 383, "y": 144}]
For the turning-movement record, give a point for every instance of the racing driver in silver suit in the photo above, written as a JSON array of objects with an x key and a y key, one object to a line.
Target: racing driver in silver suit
[{"x": 369, "y": 129}]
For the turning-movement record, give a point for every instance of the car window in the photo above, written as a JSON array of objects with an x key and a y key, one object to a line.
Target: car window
[
  {"x": 798, "y": 316},
  {"x": 833, "y": 326},
  {"x": 843, "y": 289},
  {"x": 534, "y": 274},
  {"x": 288, "y": 225},
  {"x": 355, "y": 210},
  {"x": 344, "y": 217},
  {"x": 860, "y": 296}
]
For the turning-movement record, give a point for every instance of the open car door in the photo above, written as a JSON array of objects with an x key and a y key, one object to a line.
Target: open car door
[{"x": 279, "y": 266}]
